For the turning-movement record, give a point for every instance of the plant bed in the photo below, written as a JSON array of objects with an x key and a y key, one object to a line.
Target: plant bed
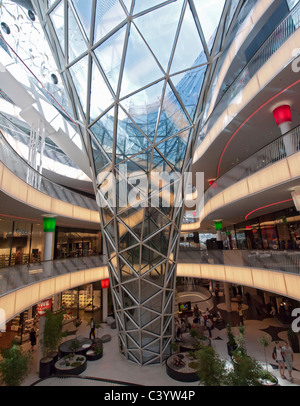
[
  {"x": 76, "y": 346},
  {"x": 190, "y": 343},
  {"x": 71, "y": 364},
  {"x": 180, "y": 368},
  {"x": 269, "y": 380},
  {"x": 96, "y": 351}
]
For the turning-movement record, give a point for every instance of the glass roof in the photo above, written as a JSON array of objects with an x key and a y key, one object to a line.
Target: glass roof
[{"x": 142, "y": 79}]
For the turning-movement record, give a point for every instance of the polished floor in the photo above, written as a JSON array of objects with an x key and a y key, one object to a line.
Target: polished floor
[{"x": 112, "y": 367}]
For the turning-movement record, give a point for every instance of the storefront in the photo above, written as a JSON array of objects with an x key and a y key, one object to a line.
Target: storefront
[
  {"x": 71, "y": 242},
  {"x": 22, "y": 242},
  {"x": 276, "y": 231}
]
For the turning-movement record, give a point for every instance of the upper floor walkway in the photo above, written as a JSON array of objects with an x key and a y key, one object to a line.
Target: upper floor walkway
[{"x": 22, "y": 286}]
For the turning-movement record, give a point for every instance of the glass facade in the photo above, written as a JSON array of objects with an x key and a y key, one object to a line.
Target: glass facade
[
  {"x": 275, "y": 231},
  {"x": 22, "y": 242},
  {"x": 135, "y": 72}
]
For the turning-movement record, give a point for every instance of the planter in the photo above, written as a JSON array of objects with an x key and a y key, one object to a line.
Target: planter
[
  {"x": 181, "y": 371},
  {"x": 54, "y": 356},
  {"x": 71, "y": 365},
  {"x": 92, "y": 356},
  {"x": 267, "y": 382},
  {"x": 66, "y": 348},
  {"x": 189, "y": 343},
  {"x": 45, "y": 367}
]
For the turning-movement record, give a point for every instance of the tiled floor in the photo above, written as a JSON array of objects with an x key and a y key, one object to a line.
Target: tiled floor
[{"x": 113, "y": 367}]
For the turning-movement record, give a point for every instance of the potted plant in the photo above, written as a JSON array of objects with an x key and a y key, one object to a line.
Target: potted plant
[
  {"x": 293, "y": 340},
  {"x": 96, "y": 350},
  {"x": 246, "y": 370},
  {"x": 231, "y": 344},
  {"x": 210, "y": 367},
  {"x": 15, "y": 365},
  {"x": 175, "y": 346},
  {"x": 74, "y": 345},
  {"x": 265, "y": 342},
  {"x": 50, "y": 340}
]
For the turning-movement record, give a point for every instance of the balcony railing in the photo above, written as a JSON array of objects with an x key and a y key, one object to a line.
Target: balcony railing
[
  {"x": 24, "y": 171},
  {"x": 285, "y": 29},
  {"x": 277, "y": 260},
  {"x": 19, "y": 276},
  {"x": 281, "y": 148}
]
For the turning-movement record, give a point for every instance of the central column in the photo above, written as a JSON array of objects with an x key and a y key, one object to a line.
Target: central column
[{"x": 134, "y": 74}]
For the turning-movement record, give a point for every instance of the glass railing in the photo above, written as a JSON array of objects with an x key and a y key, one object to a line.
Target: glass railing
[
  {"x": 285, "y": 29},
  {"x": 25, "y": 172},
  {"x": 282, "y": 147},
  {"x": 277, "y": 260},
  {"x": 19, "y": 276}
]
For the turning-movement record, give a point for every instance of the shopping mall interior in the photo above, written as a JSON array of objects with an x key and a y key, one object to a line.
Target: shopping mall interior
[{"x": 150, "y": 192}]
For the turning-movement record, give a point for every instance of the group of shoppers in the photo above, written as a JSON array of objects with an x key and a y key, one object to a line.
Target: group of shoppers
[{"x": 284, "y": 357}]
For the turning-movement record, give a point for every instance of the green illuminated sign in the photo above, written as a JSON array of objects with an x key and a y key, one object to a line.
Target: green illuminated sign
[
  {"x": 218, "y": 225},
  {"x": 49, "y": 224}
]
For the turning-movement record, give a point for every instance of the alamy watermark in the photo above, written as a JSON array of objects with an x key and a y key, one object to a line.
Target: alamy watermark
[
  {"x": 156, "y": 189},
  {"x": 2, "y": 320},
  {"x": 296, "y": 323},
  {"x": 296, "y": 61}
]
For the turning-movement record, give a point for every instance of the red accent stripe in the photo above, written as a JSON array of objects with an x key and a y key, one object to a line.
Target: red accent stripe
[
  {"x": 247, "y": 119},
  {"x": 267, "y": 205}
]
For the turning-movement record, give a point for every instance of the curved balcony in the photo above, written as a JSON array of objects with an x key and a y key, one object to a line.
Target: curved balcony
[
  {"x": 274, "y": 56},
  {"x": 22, "y": 286},
  {"x": 280, "y": 35},
  {"x": 273, "y": 271},
  {"x": 244, "y": 179},
  {"x": 26, "y": 173},
  {"x": 282, "y": 147}
]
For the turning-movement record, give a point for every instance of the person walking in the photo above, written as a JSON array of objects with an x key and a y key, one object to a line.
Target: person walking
[
  {"x": 241, "y": 315},
  {"x": 278, "y": 356},
  {"x": 32, "y": 339},
  {"x": 92, "y": 325},
  {"x": 288, "y": 355},
  {"x": 209, "y": 325}
]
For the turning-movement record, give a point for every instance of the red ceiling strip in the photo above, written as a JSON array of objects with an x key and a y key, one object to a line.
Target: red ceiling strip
[
  {"x": 247, "y": 119},
  {"x": 267, "y": 205}
]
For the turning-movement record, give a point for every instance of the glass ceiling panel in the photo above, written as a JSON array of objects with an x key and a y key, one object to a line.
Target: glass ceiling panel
[
  {"x": 143, "y": 107},
  {"x": 109, "y": 14},
  {"x": 188, "y": 86},
  {"x": 109, "y": 54},
  {"x": 101, "y": 97},
  {"x": 130, "y": 140},
  {"x": 79, "y": 72},
  {"x": 76, "y": 43},
  {"x": 84, "y": 11},
  {"x": 57, "y": 18},
  {"x": 173, "y": 119},
  {"x": 141, "y": 5},
  {"x": 127, "y": 4},
  {"x": 159, "y": 28},
  {"x": 103, "y": 131},
  {"x": 209, "y": 13},
  {"x": 140, "y": 66},
  {"x": 189, "y": 49}
]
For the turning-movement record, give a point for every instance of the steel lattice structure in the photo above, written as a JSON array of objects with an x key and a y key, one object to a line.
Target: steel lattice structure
[{"x": 137, "y": 73}]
